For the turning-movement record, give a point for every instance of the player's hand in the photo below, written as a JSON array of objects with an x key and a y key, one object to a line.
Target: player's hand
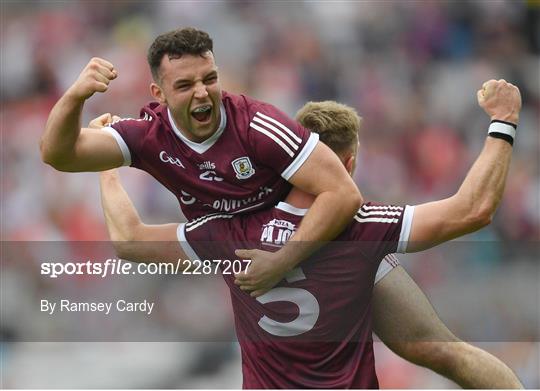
[
  {"x": 264, "y": 272},
  {"x": 95, "y": 77},
  {"x": 102, "y": 120},
  {"x": 500, "y": 100}
]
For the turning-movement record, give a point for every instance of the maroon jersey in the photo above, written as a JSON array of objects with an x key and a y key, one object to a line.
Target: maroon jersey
[
  {"x": 244, "y": 166},
  {"x": 313, "y": 330}
]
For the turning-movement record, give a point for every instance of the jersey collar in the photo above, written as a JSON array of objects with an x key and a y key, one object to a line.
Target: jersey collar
[
  {"x": 291, "y": 209},
  {"x": 206, "y": 144}
]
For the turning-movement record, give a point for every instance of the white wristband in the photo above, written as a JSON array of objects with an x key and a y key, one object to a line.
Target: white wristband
[{"x": 501, "y": 127}]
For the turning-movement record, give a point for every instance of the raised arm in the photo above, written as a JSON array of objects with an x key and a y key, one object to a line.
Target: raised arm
[
  {"x": 133, "y": 240},
  {"x": 474, "y": 204},
  {"x": 67, "y": 147}
]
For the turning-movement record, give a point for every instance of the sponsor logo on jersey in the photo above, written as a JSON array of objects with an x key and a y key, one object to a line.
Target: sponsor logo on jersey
[
  {"x": 277, "y": 232},
  {"x": 169, "y": 159},
  {"x": 243, "y": 168},
  {"x": 207, "y": 165},
  {"x": 240, "y": 205}
]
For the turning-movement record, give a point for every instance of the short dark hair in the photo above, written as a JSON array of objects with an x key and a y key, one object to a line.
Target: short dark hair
[{"x": 176, "y": 43}]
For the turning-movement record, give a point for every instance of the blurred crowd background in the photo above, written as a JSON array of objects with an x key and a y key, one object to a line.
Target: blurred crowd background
[{"x": 410, "y": 68}]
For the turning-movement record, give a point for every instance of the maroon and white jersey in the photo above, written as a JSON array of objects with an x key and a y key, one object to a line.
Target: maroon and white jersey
[
  {"x": 313, "y": 330},
  {"x": 244, "y": 166}
]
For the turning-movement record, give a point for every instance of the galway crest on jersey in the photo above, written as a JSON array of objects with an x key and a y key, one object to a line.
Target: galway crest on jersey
[{"x": 243, "y": 168}]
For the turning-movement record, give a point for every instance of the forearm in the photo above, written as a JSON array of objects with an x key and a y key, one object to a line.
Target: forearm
[
  {"x": 123, "y": 221},
  {"x": 326, "y": 218},
  {"x": 473, "y": 205},
  {"x": 62, "y": 130},
  {"x": 337, "y": 199},
  {"x": 132, "y": 239},
  {"x": 483, "y": 187}
]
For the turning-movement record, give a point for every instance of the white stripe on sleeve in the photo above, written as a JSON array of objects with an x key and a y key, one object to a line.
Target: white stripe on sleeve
[
  {"x": 286, "y": 129},
  {"x": 121, "y": 143},
  {"x": 191, "y": 227},
  {"x": 375, "y": 220},
  {"x": 273, "y": 137},
  {"x": 276, "y": 131},
  {"x": 310, "y": 145},
  {"x": 378, "y": 213},
  {"x": 381, "y": 207},
  {"x": 181, "y": 235},
  {"x": 406, "y": 226}
]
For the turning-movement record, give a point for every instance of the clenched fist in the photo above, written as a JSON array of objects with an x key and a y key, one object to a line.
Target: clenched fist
[
  {"x": 95, "y": 77},
  {"x": 500, "y": 100}
]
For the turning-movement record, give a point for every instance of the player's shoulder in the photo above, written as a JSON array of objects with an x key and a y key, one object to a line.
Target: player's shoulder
[
  {"x": 251, "y": 107},
  {"x": 151, "y": 115},
  {"x": 154, "y": 111}
]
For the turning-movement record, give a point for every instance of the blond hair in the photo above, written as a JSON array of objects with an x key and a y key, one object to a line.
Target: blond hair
[{"x": 337, "y": 124}]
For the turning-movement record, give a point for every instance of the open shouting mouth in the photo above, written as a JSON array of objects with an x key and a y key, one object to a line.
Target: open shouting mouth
[{"x": 202, "y": 113}]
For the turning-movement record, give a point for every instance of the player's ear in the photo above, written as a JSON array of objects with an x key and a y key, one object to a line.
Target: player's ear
[
  {"x": 350, "y": 163},
  {"x": 157, "y": 93}
]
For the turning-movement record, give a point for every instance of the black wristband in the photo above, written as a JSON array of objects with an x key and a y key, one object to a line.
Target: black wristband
[
  {"x": 503, "y": 130},
  {"x": 502, "y": 136}
]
